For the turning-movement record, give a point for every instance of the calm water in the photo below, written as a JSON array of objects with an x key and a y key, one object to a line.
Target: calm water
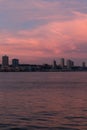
[{"x": 43, "y": 101}]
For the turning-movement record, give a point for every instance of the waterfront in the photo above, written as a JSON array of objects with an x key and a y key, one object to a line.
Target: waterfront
[{"x": 44, "y": 101}]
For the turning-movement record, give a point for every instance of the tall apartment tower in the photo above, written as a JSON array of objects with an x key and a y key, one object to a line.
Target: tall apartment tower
[
  {"x": 70, "y": 64},
  {"x": 84, "y": 65},
  {"x": 54, "y": 64},
  {"x": 62, "y": 62},
  {"x": 5, "y": 61}
]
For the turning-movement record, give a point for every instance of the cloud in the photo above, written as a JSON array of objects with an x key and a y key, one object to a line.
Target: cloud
[
  {"x": 43, "y": 28},
  {"x": 18, "y": 14},
  {"x": 62, "y": 39}
]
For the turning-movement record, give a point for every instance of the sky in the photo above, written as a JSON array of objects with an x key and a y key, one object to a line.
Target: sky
[{"x": 38, "y": 31}]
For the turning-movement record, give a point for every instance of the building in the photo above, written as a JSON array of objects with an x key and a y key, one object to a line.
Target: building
[
  {"x": 54, "y": 64},
  {"x": 83, "y": 65},
  {"x": 15, "y": 62},
  {"x": 70, "y": 64},
  {"x": 62, "y": 62},
  {"x": 5, "y": 61}
]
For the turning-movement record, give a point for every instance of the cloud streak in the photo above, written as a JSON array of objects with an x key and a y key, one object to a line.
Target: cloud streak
[{"x": 42, "y": 28}]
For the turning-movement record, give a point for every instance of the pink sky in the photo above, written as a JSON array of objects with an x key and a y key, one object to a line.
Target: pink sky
[{"x": 34, "y": 31}]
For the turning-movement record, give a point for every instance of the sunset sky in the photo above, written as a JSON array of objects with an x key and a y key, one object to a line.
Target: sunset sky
[{"x": 38, "y": 31}]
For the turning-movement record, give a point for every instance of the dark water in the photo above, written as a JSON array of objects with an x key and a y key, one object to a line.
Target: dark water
[{"x": 43, "y": 101}]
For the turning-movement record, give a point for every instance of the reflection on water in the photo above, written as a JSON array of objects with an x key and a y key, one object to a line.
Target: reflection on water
[{"x": 43, "y": 101}]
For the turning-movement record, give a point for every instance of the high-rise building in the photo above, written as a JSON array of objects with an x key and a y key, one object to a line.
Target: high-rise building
[
  {"x": 62, "y": 62},
  {"x": 15, "y": 62},
  {"x": 54, "y": 64},
  {"x": 70, "y": 64},
  {"x": 83, "y": 64},
  {"x": 5, "y": 61}
]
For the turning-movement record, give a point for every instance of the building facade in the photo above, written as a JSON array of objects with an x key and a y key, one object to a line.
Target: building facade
[
  {"x": 62, "y": 62},
  {"x": 5, "y": 61},
  {"x": 15, "y": 62}
]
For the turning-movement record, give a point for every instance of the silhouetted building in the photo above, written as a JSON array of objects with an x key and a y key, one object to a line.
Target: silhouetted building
[
  {"x": 84, "y": 65},
  {"x": 54, "y": 64},
  {"x": 5, "y": 61},
  {"x": 70, "y": 64},
  {"x": 15, "y": 62},
  {"x": 62, "y": 62}
]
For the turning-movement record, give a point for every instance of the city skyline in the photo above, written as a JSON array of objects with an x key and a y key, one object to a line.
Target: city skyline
[
  {"x": 63, "y": 66},
  {"x": 6, "y": 61},
  {"x": 50, "y": 61},
  {"x": 43, "y": 30}
]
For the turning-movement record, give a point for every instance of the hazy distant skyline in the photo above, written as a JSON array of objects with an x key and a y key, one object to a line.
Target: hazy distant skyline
[{"x": 39, "y": 30}]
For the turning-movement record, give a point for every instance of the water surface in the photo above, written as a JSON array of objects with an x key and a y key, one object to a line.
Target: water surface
[{"x": 43, "y": 101}]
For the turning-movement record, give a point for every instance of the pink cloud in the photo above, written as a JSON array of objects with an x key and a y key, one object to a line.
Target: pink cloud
[{"x": 55, "y": 39}]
